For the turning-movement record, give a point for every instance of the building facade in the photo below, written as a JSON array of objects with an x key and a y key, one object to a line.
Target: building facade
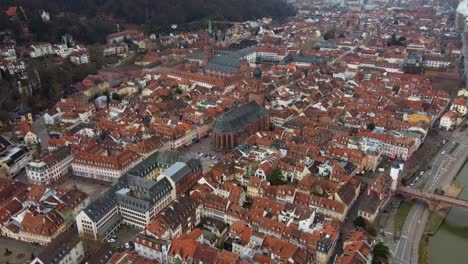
[{"x": 232, "y": 127}]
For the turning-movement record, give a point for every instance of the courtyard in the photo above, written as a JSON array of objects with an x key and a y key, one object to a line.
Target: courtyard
[{"x": 16, "y": 252}]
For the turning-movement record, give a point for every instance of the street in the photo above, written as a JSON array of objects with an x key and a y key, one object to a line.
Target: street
[
  {"x": 41, "y": 131},
  {"x": 204, "y": 146},
  {"x": 348, "y": 225},
  {"x": 444, "y": 167}
]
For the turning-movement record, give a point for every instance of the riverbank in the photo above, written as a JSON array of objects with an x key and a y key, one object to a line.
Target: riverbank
[{"x": 434, "y": 222}]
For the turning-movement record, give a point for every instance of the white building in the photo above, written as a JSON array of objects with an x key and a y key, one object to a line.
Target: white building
[
  {"x": 79, "y": 57},
  {"x": 104, "y": 168},
  {"x": 449, "y": 120},
  {"x": 40, "y": 50},
  {"x": 51, "y": 167},
  {"x": 460, "y": 105}
]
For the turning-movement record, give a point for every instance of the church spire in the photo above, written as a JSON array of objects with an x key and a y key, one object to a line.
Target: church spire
[{"x": 210, "y": 27}]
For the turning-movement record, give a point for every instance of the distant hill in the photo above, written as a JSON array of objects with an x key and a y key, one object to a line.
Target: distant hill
[{"x": 160, "y": 13}]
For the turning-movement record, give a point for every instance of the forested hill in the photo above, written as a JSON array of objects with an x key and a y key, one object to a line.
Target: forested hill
[{"x": 161, "y": 12}]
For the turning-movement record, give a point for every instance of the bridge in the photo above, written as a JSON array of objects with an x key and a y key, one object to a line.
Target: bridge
[{"x": 434, "y": 201}]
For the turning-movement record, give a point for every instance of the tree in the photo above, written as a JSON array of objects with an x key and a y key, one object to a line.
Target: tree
[
  {"x": 360, "y": 222},
  {"x": 330, "y": 34},
  {"x": 370, "y": 126},
  {"x": 394, "y": 41},
  {"x": 115, "y": 97},
  {"x": 381, "y": 253},
  {"x": 276, "y": 177}
]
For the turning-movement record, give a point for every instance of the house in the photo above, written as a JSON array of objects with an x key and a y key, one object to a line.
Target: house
[
  {"x": 28, "y": 221},
  {"x": 182, "y": 251},
  {"x": 369, "y": 207},
  {"x": 52, "y": 116},
  {"x": 102, "y": 167},
  {"x": 357, "y": 248},
  {"x": 50, "y": 167},
  {"x": 25, "y": 133},
  {"x": 460, "y": 104},
  {"x": 450, "y": 120},
  {"x": 122, "y": 36},
  {"x": 79, "y": 57},
  {"x": 130, "y": 257},
  {"x": 115, "y": 49},
  {"x": 13, "y": 158},
  {"x": 66, "y": 248},
  {"x": 40, "y": 50},
  {"x": 267, "y": 166}
]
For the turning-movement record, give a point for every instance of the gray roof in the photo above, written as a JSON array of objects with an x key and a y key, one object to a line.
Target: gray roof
[
  {"x": 163, "y": 159},
  {"x": 316, "y": 60},
  {"x": 227, "y": 60},
  {"x": 145, "y": 167},
  {"x": 142, "y": 194},
  {"x": 239, "y": 117},
  {"x": 224, "y": 63},
  {"x": 138, "y": 193},
  {"x": 177, "y": 171},
  {"x": 101, "y": 206}
]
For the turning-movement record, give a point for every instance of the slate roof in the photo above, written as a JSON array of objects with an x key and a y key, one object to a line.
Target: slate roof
[
  {"x": 177, "y": 171},
  {"x": 142, "y": 194},
  {"x": 224, "y": 63},
  {"x": 101, "y": 206},
  {"x": 138, "y": 193},
  {"x": 227, "y": 61},
  {"x": 316, "y": 60},
  {"x": 239, "y": 117},
  {"x": 163, "y": 159},
  {"x": 59, "y": 247}
]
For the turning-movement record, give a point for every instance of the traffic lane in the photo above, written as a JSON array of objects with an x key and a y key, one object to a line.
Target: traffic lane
[
  {"x": 405, "y": 244},
  {"x": 444, "y": 167}
]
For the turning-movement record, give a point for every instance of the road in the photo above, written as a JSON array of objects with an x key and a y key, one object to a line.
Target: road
[
  {"x": 347, "y": 226},
  {"x": 444, "y": 169},
  {"x": 204, "y": 146},
  {"x": 41, "y": 131},
  {"x": 124, "y": 60}
]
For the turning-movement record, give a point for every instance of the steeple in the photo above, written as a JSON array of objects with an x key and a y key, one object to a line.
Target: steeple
[{"x": 210, "y": 28}]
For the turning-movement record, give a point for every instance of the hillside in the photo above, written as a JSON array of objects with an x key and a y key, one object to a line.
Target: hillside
[{"x": 157, "y": 15}]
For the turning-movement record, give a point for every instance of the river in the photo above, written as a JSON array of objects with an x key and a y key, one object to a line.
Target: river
[{"x": 450, "y": 243}]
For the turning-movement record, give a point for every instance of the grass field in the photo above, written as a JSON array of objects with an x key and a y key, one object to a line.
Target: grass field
[{"x": 403, "y": 212}]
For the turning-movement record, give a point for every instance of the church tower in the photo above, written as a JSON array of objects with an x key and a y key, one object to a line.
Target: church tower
[
  {"x": 208, "y": 50},
  {"x": 210, "y": 28},
  {"x": 257, "y": 93}
]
